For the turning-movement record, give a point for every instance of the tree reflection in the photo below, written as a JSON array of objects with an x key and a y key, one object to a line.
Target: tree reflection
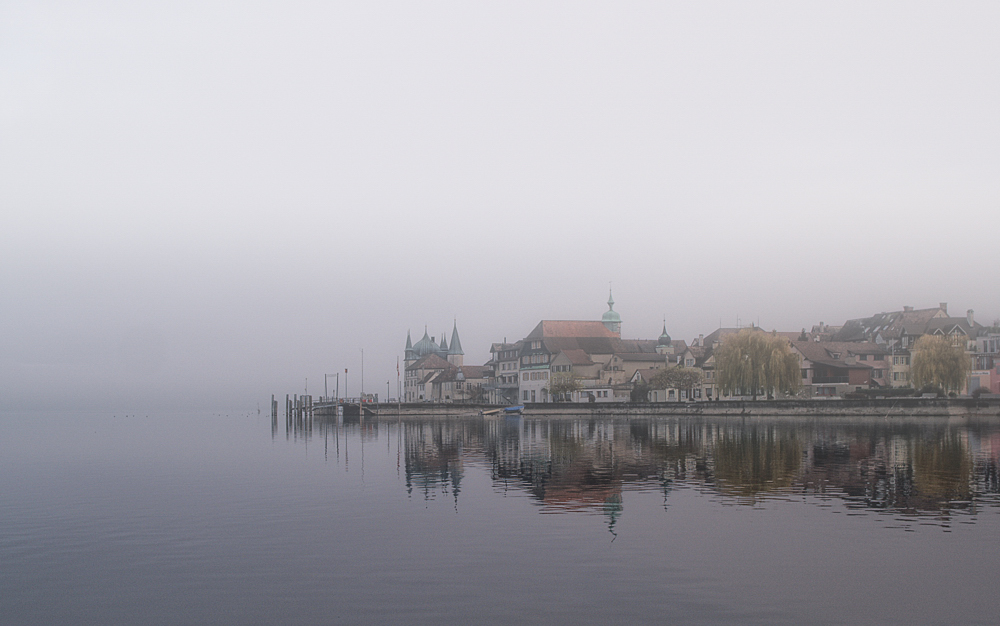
[
  {"x": 908, "y": 466},
  {"x": 756, "y": 459}
]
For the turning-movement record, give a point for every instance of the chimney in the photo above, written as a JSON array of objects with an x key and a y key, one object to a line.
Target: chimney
[
  {"x": 907, "y": 309},
  {"x": 701, "y": 337},
  {"x": 944, "y": 307},
  {"x": 970, "y": 317}
]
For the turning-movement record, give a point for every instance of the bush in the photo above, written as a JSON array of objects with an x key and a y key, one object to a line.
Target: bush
[{"x": 930, "y": 388}]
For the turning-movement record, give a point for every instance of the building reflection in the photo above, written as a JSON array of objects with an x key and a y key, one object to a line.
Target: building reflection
[{"x": 907, "y": 467}]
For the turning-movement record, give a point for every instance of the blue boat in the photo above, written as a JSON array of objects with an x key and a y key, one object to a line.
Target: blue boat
[{"x": 513, "y": 409}]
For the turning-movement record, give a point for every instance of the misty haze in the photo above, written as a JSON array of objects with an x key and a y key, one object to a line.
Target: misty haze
[{"x": 678, "y": 312}]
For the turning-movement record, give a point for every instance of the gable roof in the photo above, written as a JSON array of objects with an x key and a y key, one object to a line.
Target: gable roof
[
  {"x": 569, "y": 328},
  {"x": 891, "y": 324},
  {"x": 577, "y": 357},
  {"x": 948, "y": 325},
  {"x": 431, "y": 361},
  {"x": 475, "y": 371},
  {"x": 824, "y": 351}
]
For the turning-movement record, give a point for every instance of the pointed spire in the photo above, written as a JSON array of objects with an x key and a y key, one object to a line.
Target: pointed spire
[
  {"x": 611, "y": 320},
  {"x": 664, "y": 337},
  {"x": 456, "y": 344},
  {"x": 409, "y": 343},
  {"x": 444, "y": 344}
]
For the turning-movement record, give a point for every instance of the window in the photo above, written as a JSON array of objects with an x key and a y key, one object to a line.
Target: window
[
  {"x": 805, "y": 373},
  {"x": 524, "y": 376},
  {"x": 525, "y": 395},
  {"x": 876, "y": 373}
]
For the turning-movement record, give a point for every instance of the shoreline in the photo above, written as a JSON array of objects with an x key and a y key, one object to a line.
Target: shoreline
[{"x": 895, "y": 407}]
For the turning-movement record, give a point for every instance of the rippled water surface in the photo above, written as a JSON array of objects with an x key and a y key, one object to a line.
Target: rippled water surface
[{"x": 235, "y": 519}]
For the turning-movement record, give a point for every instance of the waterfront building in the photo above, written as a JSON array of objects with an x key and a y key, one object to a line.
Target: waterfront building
[
  {"x": 502, "y": 386},
  {"x": 429, "y": 363},
  {"x": 832, "y": 369},
  {"x": 898, "y": 331}
]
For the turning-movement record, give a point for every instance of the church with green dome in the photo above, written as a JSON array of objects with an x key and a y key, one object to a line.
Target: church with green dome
[{"x": 427, "y": 346}]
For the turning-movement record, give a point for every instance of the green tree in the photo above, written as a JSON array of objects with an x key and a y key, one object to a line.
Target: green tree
[
  {"x": 939, "y": 363},
  {"x": 677, "y": 377},
  {"x": 753, "y": 362},
  {"x": 639, "y": 391},
  {"x": 563, "y": 384}
]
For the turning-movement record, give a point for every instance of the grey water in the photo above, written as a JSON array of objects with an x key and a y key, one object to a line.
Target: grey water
[{"x": 209, "y": 518}]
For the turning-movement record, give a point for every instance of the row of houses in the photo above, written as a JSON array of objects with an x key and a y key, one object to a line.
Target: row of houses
[{"x": 588, "y": 361}]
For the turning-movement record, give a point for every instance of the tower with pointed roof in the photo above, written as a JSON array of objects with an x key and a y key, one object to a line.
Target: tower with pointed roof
[
  {"x": 664, "y": 345},
  {"x": 455, "y": 354},
  {"x": 428, "y": 345},
  {"x": 611, "y": 319}
]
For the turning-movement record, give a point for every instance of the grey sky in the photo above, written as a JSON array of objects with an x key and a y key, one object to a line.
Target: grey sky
[{"x": 207, "y": 202}]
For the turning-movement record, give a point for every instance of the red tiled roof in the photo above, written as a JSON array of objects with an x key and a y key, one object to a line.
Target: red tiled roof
[
  {"x": 431, "y": 361},
  {"x": 577, "y": 357},
  {"x": 569, "y": 328},
  {"x": 475, "y": 371}
]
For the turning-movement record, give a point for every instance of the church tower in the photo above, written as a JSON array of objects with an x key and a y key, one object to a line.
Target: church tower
[
  {"x": 455, "y": 355},
  {"x": 611, "y": 319},
  {"x": 664, "y": 345}
]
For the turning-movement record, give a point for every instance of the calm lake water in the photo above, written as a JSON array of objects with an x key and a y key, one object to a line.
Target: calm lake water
[{"x": 233, "y": 519}]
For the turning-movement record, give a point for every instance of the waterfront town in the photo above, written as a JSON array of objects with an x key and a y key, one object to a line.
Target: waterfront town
[{"x": 589, "y": 361}]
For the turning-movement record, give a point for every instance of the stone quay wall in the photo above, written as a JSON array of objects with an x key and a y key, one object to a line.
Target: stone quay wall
[{"x": 889, "y": 407}]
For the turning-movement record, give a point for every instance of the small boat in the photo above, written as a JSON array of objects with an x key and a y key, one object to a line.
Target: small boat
[
  {"x": 514, "y": 409},
  {"x": 490, "y": 412}
]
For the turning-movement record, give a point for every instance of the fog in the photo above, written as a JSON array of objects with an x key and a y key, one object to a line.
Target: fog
[{"x": 204, "y": 203}]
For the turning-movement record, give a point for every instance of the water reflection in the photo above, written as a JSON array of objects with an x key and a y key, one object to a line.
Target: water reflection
[{"x": 931, "y": 469}]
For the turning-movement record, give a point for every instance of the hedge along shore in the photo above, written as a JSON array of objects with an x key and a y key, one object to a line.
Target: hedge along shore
[{"x": 889, "y": 407}]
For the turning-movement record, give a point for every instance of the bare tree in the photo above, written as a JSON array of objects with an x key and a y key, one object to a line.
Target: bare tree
[
  {"x": 563, "y": 384},
  {"x": 677, "y": 377}
]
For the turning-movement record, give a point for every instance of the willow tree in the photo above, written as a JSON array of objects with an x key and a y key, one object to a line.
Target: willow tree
[
  {"x": 752, "y": 363},
  {"x": 938, "y": 362}
]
